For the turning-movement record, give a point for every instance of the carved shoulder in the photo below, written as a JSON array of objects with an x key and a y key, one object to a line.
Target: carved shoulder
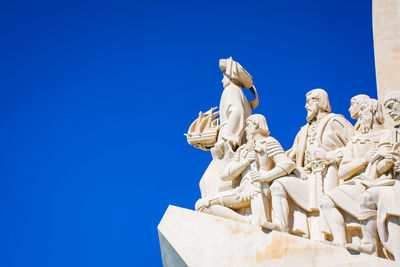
[
  {"x": 341, "y": 127},
  {"x": 273, "y": 147}
]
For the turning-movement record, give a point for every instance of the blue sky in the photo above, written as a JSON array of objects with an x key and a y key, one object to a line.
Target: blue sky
[{"x": 95, "y": 97}]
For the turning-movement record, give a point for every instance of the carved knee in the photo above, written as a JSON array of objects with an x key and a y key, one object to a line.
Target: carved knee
[
  {"x": 326, "y": 203},
  {"x": 277, "y": 190},
  {"x": 367, "y": 206},
  {"x": 367, "y": 201}
]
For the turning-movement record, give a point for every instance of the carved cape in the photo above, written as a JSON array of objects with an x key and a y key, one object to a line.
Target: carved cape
[
  {"x": 234, "y": 109},
  {"x": 333, "y": 133}
]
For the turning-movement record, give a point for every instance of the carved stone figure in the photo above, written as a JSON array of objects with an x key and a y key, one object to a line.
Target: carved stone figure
[
  {"x": 340, "y": 182},
  {"x": 365, "y": 158},
  {"x": 392, "y": 105},
  {"x": 255, "y": 164},
  {"x": 379, "y": 209},
  {"x": 234, "y": 109},
  {"x": 317, "y": 153},
  {"x": 354, "y": 110}
]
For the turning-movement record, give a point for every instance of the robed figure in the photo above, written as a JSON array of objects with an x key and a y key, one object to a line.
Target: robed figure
[{"x": 234, "y": 109}]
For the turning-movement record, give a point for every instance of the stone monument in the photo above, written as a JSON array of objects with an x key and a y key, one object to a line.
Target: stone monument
[{"x": 331, "y": 200}]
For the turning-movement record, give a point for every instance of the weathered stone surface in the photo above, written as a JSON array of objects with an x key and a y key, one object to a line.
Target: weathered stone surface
[
  {"x": 200, "y": 239},
  {"x": 386, "y": 21}
]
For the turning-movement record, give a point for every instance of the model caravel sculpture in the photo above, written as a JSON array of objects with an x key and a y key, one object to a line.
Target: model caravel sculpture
[{"x": 203, "y": 132}]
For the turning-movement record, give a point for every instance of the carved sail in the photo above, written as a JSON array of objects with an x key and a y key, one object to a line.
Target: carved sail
[{"x": 203, "y": 132}]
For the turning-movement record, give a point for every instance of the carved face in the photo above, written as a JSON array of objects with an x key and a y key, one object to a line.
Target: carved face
[
  {"x": 365, "y": 118},
  {"x": 225, "y": 81},
  {"x": 354, "y": 109},
  {"x": 312, "y": 107},
  {"x": 393, "y": 108},
  {"x": 251, "y": 129}
]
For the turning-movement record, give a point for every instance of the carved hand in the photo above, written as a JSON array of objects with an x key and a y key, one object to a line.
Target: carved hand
[
  {"x": 320, "y": 154},
  {"x": 300, "y": 173},
  {"x": 375, "y": 155},
  {"x": 390, "y": 156},
  {"x": 255, "y": 176},
  {"x": 251, "y": 156},
  {"x": 368, "y": 157},
  {"x": 219, "y": 148}
]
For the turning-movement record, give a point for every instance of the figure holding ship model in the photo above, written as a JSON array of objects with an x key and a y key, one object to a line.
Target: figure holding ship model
[
  {"x": 234, "y": 107},
  {"x": 223, "y": 139}
]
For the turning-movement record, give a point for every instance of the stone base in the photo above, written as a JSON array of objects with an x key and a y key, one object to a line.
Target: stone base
[{"x": 190, "y": 238}]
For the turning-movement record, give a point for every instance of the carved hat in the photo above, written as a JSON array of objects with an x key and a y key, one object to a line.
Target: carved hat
[{"x": 236, "y": 72}]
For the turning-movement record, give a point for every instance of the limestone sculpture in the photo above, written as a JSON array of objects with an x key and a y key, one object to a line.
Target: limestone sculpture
[
  {"x": 379, "y": 209},
  {"x": 354, "y": 110},
  {"x": 338, "y": 182},
  {"x": 255, "y": 164},
  {"x": 234, "y": 106},
  {"x": 317, "y": 153},
  {"x": 224, "y": 135},
  {"x": 365, "y": 158}
]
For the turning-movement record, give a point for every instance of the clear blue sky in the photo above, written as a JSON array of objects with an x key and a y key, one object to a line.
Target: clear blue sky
[{"x": 95, "y": 97}]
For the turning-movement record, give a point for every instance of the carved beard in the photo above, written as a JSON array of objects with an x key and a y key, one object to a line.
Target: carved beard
[
  {"x": 249, "y": 136},
  {"x": 366, "y": 121},
  {"x": 311, "y": 114}
]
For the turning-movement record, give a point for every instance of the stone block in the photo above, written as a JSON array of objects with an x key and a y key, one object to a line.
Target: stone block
[{"x": 190, "y": 238}]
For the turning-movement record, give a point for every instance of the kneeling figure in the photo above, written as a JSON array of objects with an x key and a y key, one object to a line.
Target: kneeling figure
[{"x": 256, "y": 163}]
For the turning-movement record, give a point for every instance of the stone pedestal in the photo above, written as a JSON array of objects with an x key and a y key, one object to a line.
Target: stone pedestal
[{"x": 190, "y": 238}]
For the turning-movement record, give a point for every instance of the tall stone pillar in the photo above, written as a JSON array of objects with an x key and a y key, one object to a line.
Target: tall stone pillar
[{"x": 386, "y": 29}]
